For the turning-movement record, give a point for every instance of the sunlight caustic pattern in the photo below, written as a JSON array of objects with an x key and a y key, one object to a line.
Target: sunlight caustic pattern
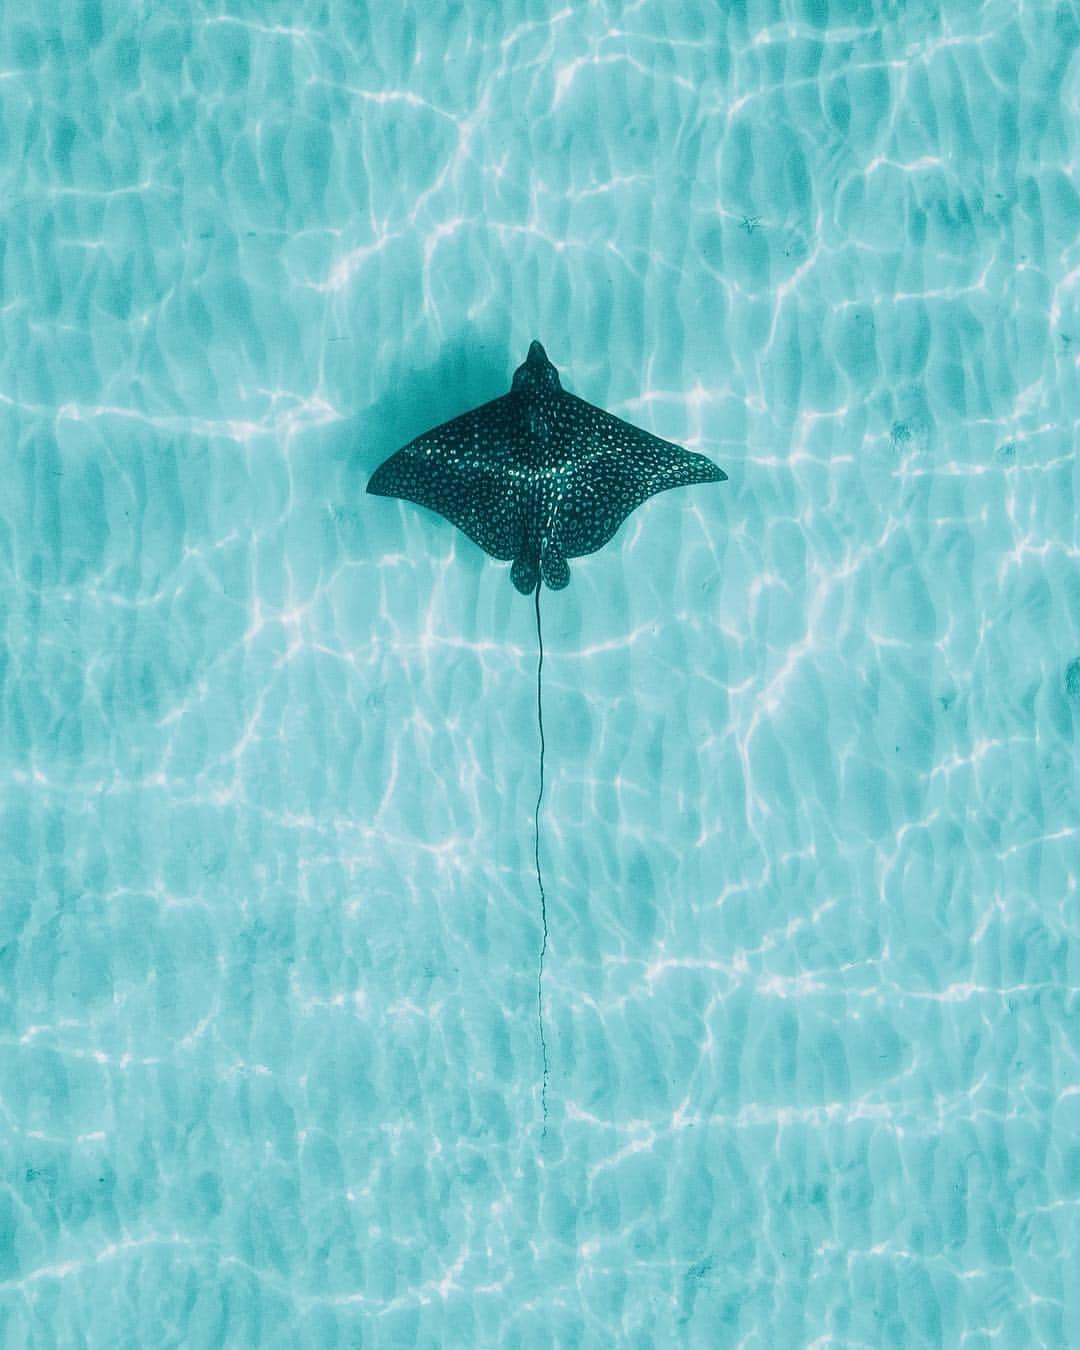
[{"x": 267, "y": 1056}]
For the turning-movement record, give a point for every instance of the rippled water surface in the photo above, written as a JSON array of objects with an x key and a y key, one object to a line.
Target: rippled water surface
[{"x": 269, "y": 1063}]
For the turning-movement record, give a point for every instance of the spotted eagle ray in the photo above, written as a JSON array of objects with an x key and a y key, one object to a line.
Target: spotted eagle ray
[{"x": 538, "y": 476}]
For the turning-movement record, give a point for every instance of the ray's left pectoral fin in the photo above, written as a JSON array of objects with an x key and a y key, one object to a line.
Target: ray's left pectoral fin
[{"x": 459, "y": 470}]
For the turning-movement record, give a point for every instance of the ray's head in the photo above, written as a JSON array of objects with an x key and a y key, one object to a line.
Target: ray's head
[{"x": 536, "y": 373}]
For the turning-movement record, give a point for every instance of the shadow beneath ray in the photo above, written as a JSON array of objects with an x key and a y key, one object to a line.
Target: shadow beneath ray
[{"x": 468, "y": 370}]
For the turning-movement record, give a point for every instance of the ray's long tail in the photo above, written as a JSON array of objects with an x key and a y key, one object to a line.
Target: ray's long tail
[{"x": 539, "y": 877}]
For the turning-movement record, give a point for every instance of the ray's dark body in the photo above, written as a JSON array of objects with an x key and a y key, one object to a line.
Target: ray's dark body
[{"x": 538, "y": 475}]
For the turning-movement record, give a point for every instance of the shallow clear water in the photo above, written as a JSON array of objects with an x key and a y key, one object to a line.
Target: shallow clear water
[{"x": 269, "y": 1065}]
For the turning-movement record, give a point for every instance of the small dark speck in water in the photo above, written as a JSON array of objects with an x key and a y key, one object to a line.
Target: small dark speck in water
[
  {"x": 700, "y": 1269},
  {"x": 1072, "y": 679},
  {"x": 901, "y": 434}
]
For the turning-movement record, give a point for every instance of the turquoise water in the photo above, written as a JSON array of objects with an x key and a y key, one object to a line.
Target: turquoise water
[{"x": 269, "y": 1068}]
